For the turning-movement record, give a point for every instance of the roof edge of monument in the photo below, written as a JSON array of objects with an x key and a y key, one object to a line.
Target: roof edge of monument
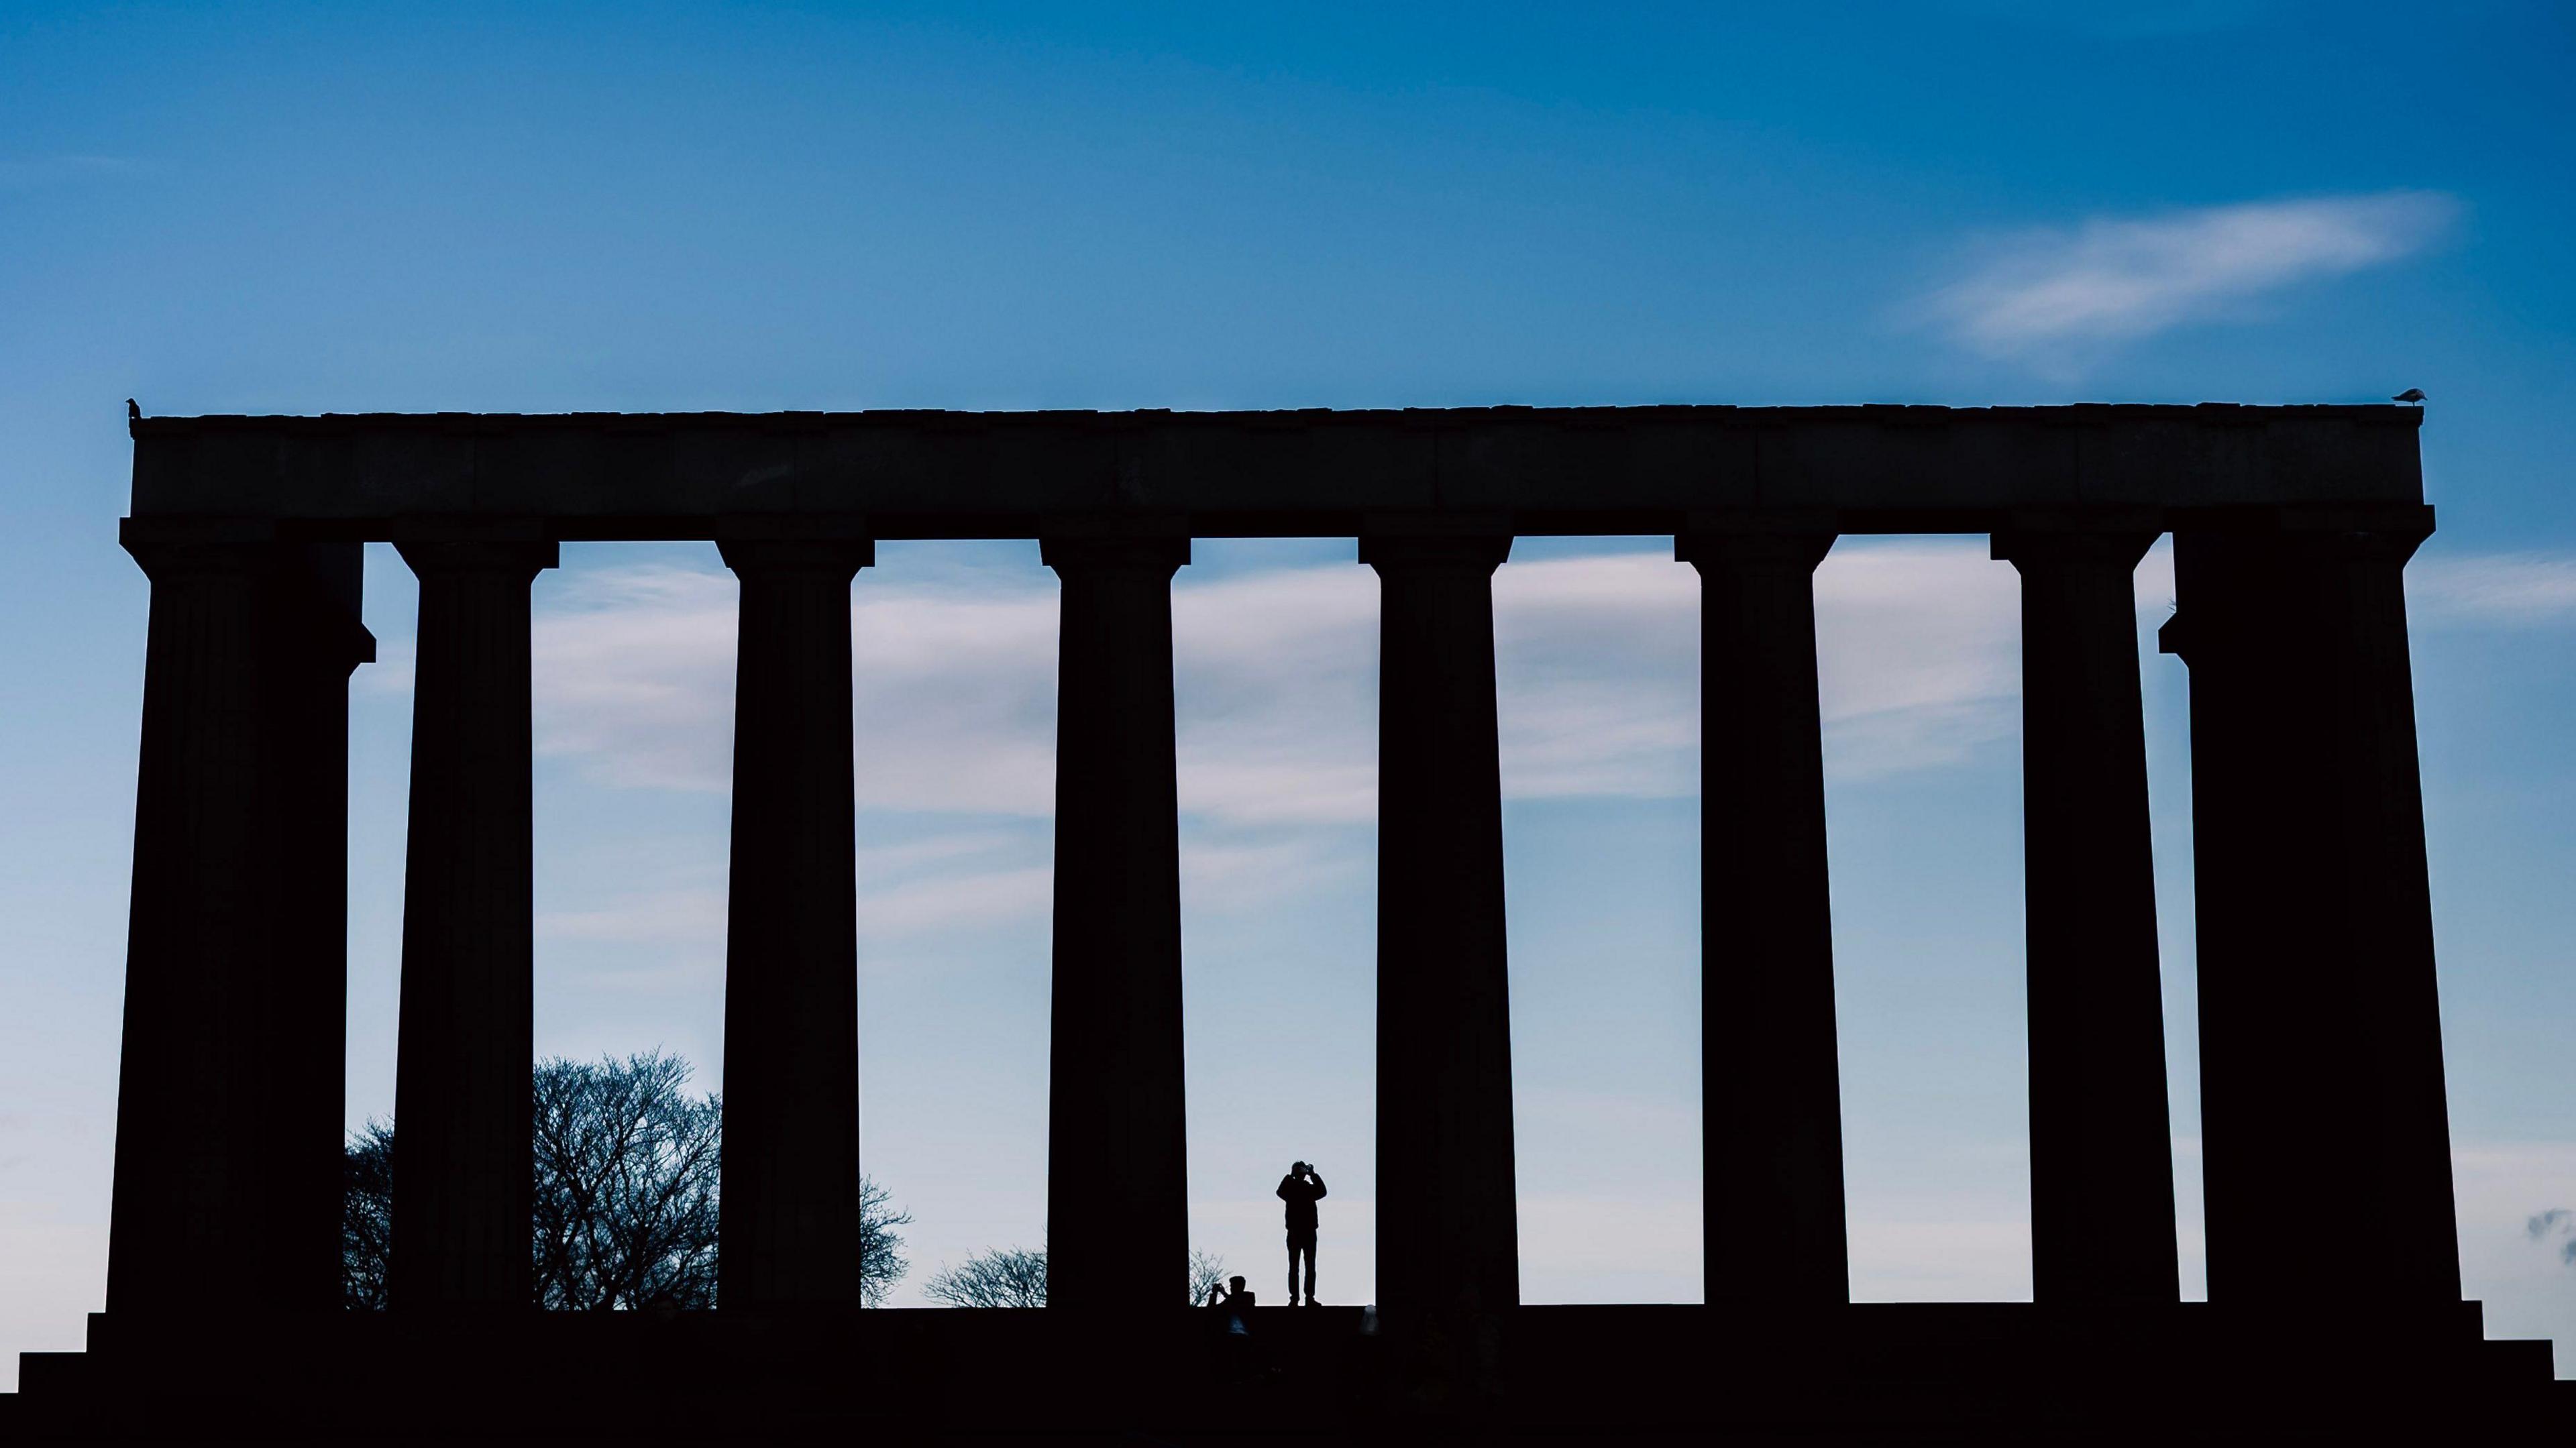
[{"x": 1890, "y": 413}]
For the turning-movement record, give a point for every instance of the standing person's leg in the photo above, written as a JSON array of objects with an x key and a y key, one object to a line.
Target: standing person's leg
[
  {"x": 1310, "y": 1269},
  {"x": 1292, "y": 1269}
]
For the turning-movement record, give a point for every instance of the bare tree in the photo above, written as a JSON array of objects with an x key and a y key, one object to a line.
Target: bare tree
[
  {"x": 1206, "y": 1270},
  {"x": 881, "y": 1260},
  {"x": 366, "y": 1215},
  {"x": 1017, "y": 1277},
  {"x": 1003, "y": 1277},
  {"x": 625, "y": 1201},
  {"x": 624, "y": 1207}
]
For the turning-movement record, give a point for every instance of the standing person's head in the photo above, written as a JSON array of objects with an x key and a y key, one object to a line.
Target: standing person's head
[
  {"x": 1234, "y": 1287},
  {"x": 1298, "y": 1168}
]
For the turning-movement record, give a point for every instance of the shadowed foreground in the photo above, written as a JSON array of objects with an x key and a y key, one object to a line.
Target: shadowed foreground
[{"x": 1872, "y": 1373}]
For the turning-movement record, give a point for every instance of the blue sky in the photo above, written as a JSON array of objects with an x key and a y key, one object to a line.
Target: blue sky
[{"x": 301, "y": 208}]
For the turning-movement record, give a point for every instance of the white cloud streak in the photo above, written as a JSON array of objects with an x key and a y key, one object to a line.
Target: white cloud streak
[
  {"x": 1277, "y": 681},
  {"x": 2114, "y": 279},
  {"x": 1277, "y": 677},
  {"x": 2513, "y": 589},
  {"x": 1597, "y": 657}
]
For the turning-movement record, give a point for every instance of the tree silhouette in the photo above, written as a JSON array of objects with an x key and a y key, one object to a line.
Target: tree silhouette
[
  {"x": 366, "y": 1215},
  {"x": 624, "y": 1206},
  {"x": 881, "y": 1260},
  {"x": 1017, "y": 1277},
  {"x": 1002, "y": 1277},
  {"x": 625, "y": 1199}
]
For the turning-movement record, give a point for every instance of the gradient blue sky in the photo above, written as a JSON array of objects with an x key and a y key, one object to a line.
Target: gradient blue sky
[{"x": 301, "y": 208}]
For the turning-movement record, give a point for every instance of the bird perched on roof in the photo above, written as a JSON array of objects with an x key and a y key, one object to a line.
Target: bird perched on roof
[
  {"x": 132, "y": 412},
  {"x": 2411, "y": 394}
]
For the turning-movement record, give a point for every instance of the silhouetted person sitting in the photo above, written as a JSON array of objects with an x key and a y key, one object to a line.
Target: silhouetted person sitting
[
  {"x": 1232, "y": 1354},
  {"x": 1301, "y": 1188},
  {"x": 1236, "y": 1300}
]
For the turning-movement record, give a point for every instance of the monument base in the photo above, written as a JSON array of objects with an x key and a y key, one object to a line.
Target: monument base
[{"x": 1873, "y": 1373}]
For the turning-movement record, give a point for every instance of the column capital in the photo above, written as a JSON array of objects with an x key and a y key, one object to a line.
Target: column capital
[
  {"x": 172, "y": 547},
  {"x": 2364, "y": 529},
  {"x": 2111, "y": 540},
  {"x": 2231, "y": 568},
  {"x": 841, "y": 558},
  {"x": 1162, "y": 552},
  {"x": 454, "y": 551},
  {"x": 1762, "y": 538},
  {"x": 252, "y": 552},
  {"x": 1481, "y": 551}
]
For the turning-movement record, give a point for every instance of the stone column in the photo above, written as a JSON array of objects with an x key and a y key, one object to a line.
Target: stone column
[
  {"x": 465, "y": 1160},
  {"x": 2101, "y": 1146},
  {"x": 1448, "y": 1234},
  {"x": 229, "y": 1094},
  {"x": 2325, "y": 1134},
  {"x": 790, "y": 1207},
  {"x": 1772, "y": 1145},
  {"x": 1117, "y": 1148}
]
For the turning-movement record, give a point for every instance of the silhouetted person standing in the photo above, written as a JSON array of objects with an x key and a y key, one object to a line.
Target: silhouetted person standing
[{"x": 1301, "y": 1188}]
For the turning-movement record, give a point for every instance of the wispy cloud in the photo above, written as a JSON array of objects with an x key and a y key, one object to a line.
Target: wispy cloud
[
  {"x": 937, "y": 882},
  {"x": 1277, "y": 680},
  {"x": 681, "y": 915},
  {"x": 1276, "y": 677},
  {"x": 1597, "y": 657},
  {"x": 1919, "y": 655},
  {"x": 2443, "y": 590},
  {"x": 2046, "y": 294},
  {"x": 2498, "y": 588}
]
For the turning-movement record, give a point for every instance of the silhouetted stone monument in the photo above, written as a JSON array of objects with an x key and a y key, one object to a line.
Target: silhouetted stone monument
[{"x": 2321, "y": 1046}]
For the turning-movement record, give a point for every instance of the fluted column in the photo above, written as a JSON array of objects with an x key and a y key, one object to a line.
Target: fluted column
[
  {"x": 2325, "y": 1134},
  {"x": 790, "y": 1206},
  {"x": 2101, "y": 1148},
  {"x": 229, "y": 1093},
  {"x": 464, "y": 1162},
  {"x": 1117, "y": 1150},
  {"x": 1448, "y": 1234},
  {"x": 1772, "y": 1146}
]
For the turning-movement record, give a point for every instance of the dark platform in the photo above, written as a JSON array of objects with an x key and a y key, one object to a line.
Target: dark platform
[{"x": 1873, "y": 1373}]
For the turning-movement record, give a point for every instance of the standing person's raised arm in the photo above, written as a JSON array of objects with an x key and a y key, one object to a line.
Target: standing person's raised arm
[{"x": 1317, "y": 1178}]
